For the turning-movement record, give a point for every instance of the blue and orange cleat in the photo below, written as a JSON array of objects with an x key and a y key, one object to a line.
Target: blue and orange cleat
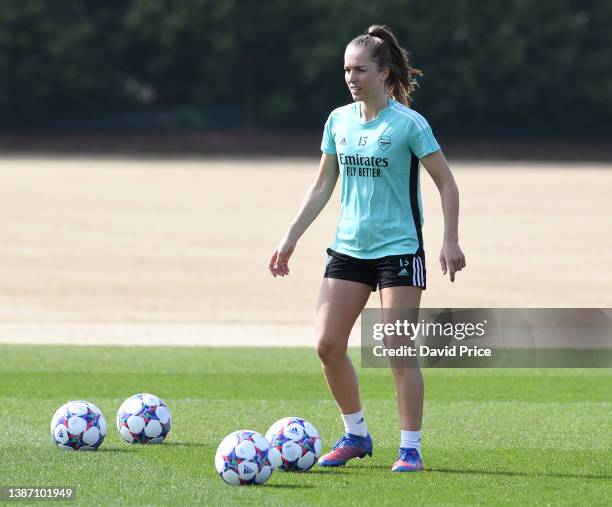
[
  {"x": 348, "y": 447},
  {"x": 409, "y": 461}
]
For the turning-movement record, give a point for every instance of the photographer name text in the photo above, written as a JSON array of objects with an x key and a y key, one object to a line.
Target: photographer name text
[{"x": 425, "y": 351}]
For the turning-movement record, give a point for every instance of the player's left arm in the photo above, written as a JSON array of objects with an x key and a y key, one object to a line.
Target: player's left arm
[{"x": 451, "y": 256}]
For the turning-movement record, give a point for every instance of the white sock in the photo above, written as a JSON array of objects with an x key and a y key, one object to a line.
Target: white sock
[
  {"x": 355, "y": 424},
  {"x": 410, "y": 440}
]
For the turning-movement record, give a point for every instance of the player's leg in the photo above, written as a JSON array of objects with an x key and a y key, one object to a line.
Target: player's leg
[
  {"x": 340, "y": 303},
  {"x": 402, "y": 302},
  {"x": 397, "y": 302}
]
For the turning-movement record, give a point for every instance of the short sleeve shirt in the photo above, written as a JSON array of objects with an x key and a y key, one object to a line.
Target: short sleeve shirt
[{"x": 380, "y": 202}]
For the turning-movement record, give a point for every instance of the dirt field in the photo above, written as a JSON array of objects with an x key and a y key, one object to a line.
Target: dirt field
[{"x": 176, "y": 252}]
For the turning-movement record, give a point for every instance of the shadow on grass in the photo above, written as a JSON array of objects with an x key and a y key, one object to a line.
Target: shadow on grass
[
  {"x": 508, "y": 473},
  {"x": 115, "y": 449},
  {"x": 183, "y": 444},
  {"x": 520, "y": 474},
  {"x": 290, "y": 486},
  {"x": 336, "y": 470}
]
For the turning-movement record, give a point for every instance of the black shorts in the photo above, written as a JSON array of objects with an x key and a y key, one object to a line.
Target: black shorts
[{"x": 390, "y": 271}]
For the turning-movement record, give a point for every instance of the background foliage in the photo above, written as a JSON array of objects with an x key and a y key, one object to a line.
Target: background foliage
[{"x": 502, "y": 66}]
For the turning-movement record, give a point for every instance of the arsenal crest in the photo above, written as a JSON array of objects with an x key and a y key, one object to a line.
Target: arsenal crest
[{"x": 384, "y": 142}]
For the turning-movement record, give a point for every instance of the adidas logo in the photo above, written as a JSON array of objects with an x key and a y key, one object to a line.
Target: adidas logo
[
  {"x": 343, "y": 141},
  {"x": 403, "y": 272},
  {"x": 361, "y": 421},
  {"x": 293, "y": 430}
]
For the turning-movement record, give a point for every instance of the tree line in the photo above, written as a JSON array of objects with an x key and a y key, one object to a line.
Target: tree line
[{"x": 503, "y": 66}]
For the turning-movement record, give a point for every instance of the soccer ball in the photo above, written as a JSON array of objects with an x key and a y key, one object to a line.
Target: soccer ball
[
  {"x": 295, "y": 444},
  {"x": 78, "y": 425},
  {"x": 242, "y": 458},
  {"x": 144, "y": 419}
]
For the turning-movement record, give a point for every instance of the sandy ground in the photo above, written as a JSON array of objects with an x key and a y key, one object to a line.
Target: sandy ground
[{"x": 176, "y": 252}]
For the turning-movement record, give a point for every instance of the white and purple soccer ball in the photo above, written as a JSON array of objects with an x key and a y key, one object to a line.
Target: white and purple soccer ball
[
  {"x": 295, "y": 444},
  {"x": 242, "y": 458},
  {"x": 144, "y": 419},
  {"x": 78, "y": 426}
]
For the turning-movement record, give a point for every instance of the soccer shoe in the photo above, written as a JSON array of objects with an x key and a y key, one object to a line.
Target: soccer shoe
[
  {"x": 409, "y": 461},
  {"x": 348, "y": 447}
]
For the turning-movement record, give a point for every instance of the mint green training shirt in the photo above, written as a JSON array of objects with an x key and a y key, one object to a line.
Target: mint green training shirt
[{"x": 380, "y": 202}]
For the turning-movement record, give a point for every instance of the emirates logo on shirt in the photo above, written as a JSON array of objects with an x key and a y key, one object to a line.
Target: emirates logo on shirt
[
  {"x": 360, "y": 165},
  {"x": 384, "y": 142}
]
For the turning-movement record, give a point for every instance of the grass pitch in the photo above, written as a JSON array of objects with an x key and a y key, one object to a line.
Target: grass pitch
[{"x": 499, "y": 436}]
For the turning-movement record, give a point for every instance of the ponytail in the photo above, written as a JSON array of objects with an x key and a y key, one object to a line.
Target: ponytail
[{"x": 386, "y": 52}]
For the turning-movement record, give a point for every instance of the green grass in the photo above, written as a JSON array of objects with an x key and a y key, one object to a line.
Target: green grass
[{"x": 491, "y": 436}]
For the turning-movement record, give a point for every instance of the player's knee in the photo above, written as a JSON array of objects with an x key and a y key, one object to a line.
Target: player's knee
[
  {"x": 329, "y": 350},
  {"x": 399, "y": 370},
  {"x": 406, "y": 369}
]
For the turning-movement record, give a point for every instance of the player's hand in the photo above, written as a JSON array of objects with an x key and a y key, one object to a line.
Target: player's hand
[
  {"x": 279, "y": 261},
  {"x": 451, "y": 259}
]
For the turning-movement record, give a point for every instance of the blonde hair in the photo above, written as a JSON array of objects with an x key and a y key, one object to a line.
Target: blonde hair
[{"x": 386, "y": 52}]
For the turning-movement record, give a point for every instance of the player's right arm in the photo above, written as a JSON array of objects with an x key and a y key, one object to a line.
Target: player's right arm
[{"x": 316, "y": 198}]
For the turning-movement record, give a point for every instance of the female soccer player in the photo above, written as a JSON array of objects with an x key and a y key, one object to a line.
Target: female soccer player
[{"x": 374, "y": 144}]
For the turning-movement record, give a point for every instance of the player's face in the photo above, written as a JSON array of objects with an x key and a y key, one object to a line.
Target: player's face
[{"x": 363, "y": 77}]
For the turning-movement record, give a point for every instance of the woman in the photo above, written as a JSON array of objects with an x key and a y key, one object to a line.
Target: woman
[{"x": 375, "y": 145}]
